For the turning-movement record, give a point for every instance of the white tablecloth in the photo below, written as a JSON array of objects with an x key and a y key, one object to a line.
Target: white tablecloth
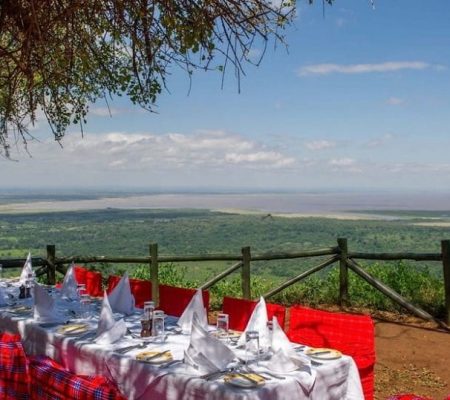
[{"x": 336, "y": 380}]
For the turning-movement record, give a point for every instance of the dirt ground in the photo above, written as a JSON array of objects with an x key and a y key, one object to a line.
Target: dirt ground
[{"x": 412, "y": 357}]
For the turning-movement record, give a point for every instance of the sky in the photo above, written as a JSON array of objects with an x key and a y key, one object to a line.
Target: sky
[{"x": 359, "y": 100}]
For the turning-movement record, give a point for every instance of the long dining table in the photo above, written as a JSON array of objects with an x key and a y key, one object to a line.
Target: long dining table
[{"x": 336, "y": 379}]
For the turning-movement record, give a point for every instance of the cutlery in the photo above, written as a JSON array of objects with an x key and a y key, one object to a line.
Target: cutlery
[
  {"x": 248, "y": 377},
  {"x": 133, "y": 335},
  {"x": 168, "y": 364},
  {"x": 318, "y": 353},
  {"x": 87, "y": 335},
  {"x": 124, "y": 350},
  {"x": 216, "y": 374},
  {"x": 157, "y": 355},
  {"x": 265, "y": 374}
]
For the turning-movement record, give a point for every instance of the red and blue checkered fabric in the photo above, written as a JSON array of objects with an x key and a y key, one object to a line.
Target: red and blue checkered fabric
[
  {"x": 351, "y": 334},
  {"x": 407, "y": 397},
  {"x": 50, "y": 381},
  {"x": 240, "y": 311},
  {"x": 14, "y": 379},
  {"x": 173, "y": 300}
]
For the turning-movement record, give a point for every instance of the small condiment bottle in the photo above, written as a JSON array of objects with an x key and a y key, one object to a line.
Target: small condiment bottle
[
  {"x": 146, "y": 328},
  {"x": 22, "y": 293}
]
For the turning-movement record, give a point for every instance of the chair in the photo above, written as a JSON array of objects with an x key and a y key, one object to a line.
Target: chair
[
  {"x": 141, "y": 290},
  {"x": 240, "y": 311},
  {"x": 92, "y": 280},
  {"x": 407, "y": 397},
  {"x": 94, "y": 283},
  {"x": 351, "y": 334},
  {"x": 14, "y": 379},
  {"x": 50, "y": 381},
  {"x": 173, "y": 300},
  {"x": 113, "y": 280}
]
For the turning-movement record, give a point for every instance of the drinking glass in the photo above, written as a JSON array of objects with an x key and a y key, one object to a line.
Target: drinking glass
[
  {"x": 85, "y": 305},
  {"x": 149, "y": 307},
  {"x": 222, "y": 325},
  {"x": 251, "y": 346},
  {"x": 158, "y": 325}
]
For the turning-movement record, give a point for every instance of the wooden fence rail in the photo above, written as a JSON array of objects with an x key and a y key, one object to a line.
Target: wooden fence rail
[{"x": 341, "y": 254}]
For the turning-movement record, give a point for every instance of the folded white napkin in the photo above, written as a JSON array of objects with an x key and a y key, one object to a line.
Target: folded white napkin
[
  {"x": 286, "y": 359},
  {"x": 258, "y": 322},
  {"x": 279, "y": 339},
  {"x": 27, "y": 269},
  {"x": 206, "y": 353},
  {"x": 195, "y": 306},
  {"x": 109, "y": 330},
  {"x": 69, "y": 285},
  {"x": 45, "y": 307},
  {"x": 3, "y": 297},
  {"x": 121, "y": 299}
]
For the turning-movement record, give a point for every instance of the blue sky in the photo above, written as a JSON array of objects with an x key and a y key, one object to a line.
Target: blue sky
[{"x": 359, "y": 101}]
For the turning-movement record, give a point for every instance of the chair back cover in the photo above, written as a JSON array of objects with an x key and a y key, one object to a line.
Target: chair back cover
[
  {"x": 141, "y": 290},
  {"x": 94, "y": 283},
  {"x": 240, "y": 310},
  {"x": 173, "y": 300},
  {"x": 50, "y": 381},
  {"x": 351, "y": 334},
  {"x": 14, "y": 379},
  {"x": 113, "y": 280}
]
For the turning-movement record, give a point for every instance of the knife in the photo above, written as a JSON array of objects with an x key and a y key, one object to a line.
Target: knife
[
  {"x": 318, "y": 353},
  {"x": 157, "y": 355}
]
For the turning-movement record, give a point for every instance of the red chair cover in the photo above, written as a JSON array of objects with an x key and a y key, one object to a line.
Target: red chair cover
[
  {"x": 14, "y": 379},
  {"x": 113, "y": 280},
  {"x": 141, "y": 290},
  {"x": 94, "y": 283},
  {"x": 407, "y": 397},
  {"x": 50, "y": 381},
  {"x": 173, "y": 300},
  {"x": 351, "y": 334},
  {"x": 80, "y": 274},
  {"x": 240, "y": 311}
]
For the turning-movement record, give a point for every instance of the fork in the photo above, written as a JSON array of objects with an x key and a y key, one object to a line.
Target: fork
[{"x": 124, "y": 350}]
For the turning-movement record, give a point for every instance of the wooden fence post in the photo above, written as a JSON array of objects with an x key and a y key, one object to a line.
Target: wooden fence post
[
  {"x": 154, "y": 272},
  {"x": 245, "y": 273},
  {"x": 445, "y": 248},
  {"x": 343, "y": 271},
  {"x": 51, "y": 267}
]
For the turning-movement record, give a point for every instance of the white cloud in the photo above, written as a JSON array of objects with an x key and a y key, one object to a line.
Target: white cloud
[
  {"x": 129, "y": 152},
  {"x": 104, "y": 111},
  {"x": 389, "y": 66},
  {"x": 380, "y": 141},
  {"x": 320, "y": 145},
  {"x": 342, "y": 162},
  {"x": 395, "y": 101}
]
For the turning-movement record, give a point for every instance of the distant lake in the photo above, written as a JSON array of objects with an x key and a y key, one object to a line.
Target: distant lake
[{"x": 302, "y": 203}]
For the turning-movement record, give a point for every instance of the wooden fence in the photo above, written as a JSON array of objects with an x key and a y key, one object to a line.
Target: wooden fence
[{"x": 339, "y": 254}]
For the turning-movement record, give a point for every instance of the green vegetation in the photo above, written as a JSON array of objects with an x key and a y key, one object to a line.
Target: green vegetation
[{"x": 193, "y": 232}]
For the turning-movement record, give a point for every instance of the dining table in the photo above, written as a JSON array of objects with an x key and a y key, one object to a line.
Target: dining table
[{"x": 170, "y": 377}]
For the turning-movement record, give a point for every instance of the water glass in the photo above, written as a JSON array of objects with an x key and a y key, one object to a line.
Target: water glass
[
  {"x": 251, "y": 346},
  {"x": 158, "y": 325},
  {"x": 85, "y": 306},
  {"x": 149, "y": 307},
  {"x": 222, "y": 324}
]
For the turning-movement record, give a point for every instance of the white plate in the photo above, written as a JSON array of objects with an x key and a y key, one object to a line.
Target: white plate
[
  {"x": 245, "y": 381},
  {"x": 323, "y": 354}
]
